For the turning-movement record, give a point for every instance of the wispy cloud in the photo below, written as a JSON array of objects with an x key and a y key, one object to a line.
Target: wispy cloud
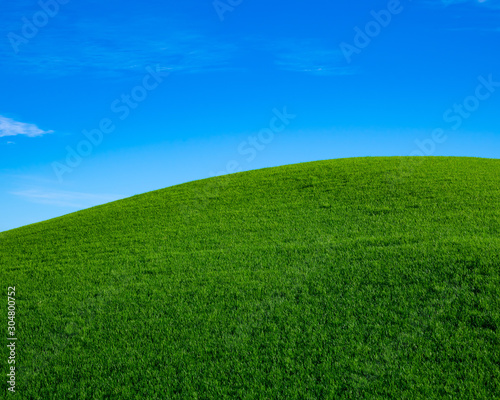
[
  {"x": 491, "y": 4},
  {"x": 10, "y": 127},
  {"x": 494, "y": 4},
  {"x": 476, "y": 28},
  {"x": 309, "y": 56},
  {"x": 468, "y": 15},
  {"x": 184, "y": 54},
  {"x": 108, "y": 47},
  {"x": 65, "y": 198}
]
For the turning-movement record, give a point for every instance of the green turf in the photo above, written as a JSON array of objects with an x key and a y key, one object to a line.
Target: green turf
[{"x": 368, "y": 278}]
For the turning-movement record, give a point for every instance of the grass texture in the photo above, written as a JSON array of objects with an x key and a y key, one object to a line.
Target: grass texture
[{"x": 367, "y": 278}]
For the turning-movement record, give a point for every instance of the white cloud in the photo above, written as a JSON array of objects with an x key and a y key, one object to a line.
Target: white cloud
[
  {"x": 65, "y": 198},
  {"x": 10, "y": 127}
]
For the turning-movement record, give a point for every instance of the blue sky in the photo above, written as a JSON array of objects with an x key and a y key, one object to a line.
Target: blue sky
[{"x": 101, "y": 100}]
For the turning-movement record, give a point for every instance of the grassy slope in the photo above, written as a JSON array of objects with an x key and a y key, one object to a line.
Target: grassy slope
[{"x": 333, "y": 279}]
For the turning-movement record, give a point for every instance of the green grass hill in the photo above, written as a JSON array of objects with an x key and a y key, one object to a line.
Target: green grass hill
[{"x": 366, "y": 278}]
